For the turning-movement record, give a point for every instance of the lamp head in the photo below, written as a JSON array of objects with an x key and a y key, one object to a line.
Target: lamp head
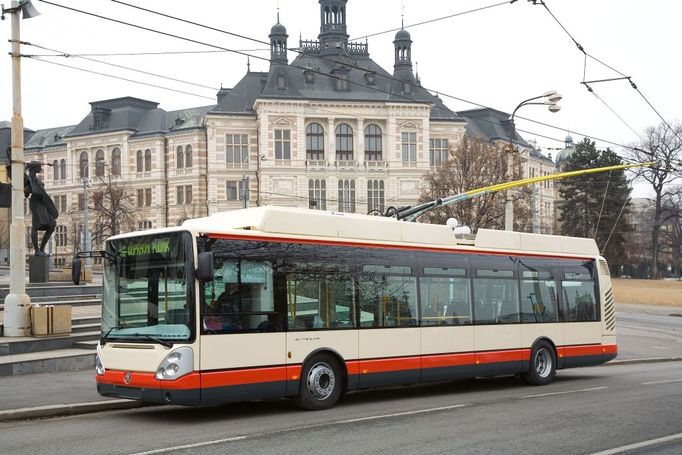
[
  {"x": 553, "y": 96},
  {"x": 27, "y": 9}
]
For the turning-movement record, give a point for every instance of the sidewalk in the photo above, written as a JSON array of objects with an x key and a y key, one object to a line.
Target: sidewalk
[{"x": 54, "y": 394}]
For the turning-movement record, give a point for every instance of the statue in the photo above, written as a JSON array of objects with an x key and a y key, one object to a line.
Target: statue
[{"x": 42, "y": 208}]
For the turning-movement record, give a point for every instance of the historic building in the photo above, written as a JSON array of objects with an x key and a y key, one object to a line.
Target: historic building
[{"x": 330, "y": 130}]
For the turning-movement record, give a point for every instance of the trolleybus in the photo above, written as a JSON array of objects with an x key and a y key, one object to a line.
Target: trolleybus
[{"x": 278, "y": 302}]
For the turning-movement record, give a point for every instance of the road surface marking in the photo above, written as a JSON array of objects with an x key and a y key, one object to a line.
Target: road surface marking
[
  {"x": 399, "y": 414},
  {"x": 661, "y": 347},
  {"x": 191, "y": 446},
  {"x": 639, "y": 445},
  {"x": 564, "y": 392},
  {"x": 662, "y": 382},
  {"x": 304, "y": 427}
]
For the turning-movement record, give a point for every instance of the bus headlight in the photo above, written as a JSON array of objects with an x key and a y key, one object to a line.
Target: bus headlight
[
  {"x": 99, "y": 366},
  {"x": 176, "y": 364}
]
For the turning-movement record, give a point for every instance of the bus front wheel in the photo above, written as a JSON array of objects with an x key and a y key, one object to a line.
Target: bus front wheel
[
  {"x": 542, "y": 365},
  {"x": 321, "y": 383}
]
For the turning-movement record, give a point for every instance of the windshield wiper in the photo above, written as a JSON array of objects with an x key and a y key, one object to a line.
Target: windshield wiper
[
  {"x": 164, "y": 343},
  {"x": 105, "y": 337}
]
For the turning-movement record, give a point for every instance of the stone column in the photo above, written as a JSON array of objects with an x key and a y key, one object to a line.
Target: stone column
[
  {"x": 359, "y": 146},
  {"x": 330, "y": 152}
]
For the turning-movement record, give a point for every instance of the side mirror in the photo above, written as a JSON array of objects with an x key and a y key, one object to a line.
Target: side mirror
[
  {"x": 205, "y": 267},
  {"x": 76, "y": 270}
]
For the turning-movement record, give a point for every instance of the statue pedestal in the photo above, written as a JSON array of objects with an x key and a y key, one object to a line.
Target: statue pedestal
[{"x": 38, "y": 269}]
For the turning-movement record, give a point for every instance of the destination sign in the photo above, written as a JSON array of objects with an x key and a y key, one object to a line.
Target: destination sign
[{"x": 145, "y": 248}]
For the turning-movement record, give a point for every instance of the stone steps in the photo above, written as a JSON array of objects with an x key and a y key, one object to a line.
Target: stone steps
[{"x": 47, "y": 362}]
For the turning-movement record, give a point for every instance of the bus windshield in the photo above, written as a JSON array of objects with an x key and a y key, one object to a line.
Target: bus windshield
[{"x": 147, "y": 288}]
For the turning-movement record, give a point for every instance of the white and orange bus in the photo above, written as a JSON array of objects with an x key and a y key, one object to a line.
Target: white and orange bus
[{"x": 277, "y": 302}]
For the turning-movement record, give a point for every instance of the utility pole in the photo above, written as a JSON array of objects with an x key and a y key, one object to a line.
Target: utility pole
[
  {"x": 244, "y": 193},
  {"x": 17, "y": 302},
  {"x": 86, "y": 234}
]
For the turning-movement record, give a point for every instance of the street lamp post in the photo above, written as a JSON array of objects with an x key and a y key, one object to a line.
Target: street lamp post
[
  {"x": 17, "y": 302},
  {"x": 86, "y": 223},
  {"x": 551, "y": 99}
]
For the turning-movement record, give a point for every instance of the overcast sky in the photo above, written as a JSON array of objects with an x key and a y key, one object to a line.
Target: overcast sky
[{"x": 496, "y": 57}]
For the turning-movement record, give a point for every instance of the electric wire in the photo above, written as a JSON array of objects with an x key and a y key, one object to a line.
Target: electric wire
[
  {"x": 121, "y": 78},
  {"x": 63, "y": 54},
  {"x": 632, "y": 84},
  {"x": 329, "y": 75},
  {"x": 429, "y": 21},
  {"x": 378, "y": 74}
]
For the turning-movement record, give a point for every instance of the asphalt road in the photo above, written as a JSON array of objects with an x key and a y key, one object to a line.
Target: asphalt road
[
  {"x": 584, "y": 411},
  {"x": 648, "y": 331}
]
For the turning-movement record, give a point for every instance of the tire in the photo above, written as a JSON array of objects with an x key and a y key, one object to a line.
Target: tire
[
  {"x": 321, "y": 383},
  {"x": 542, "y": 365}
]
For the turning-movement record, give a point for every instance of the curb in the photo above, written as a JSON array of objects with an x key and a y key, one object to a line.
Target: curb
[
  {"x": 643, "y": 360},
  {"x": 58, "y": 410}
]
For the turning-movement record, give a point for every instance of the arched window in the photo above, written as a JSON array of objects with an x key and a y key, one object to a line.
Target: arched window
[
  {"x": 314, "y": 142},
  {"x": 99, "y": 163},
  {"x": 140, "y": 161},
  {"x": 62, "y": 169},
  {"x": 116, "y": 162},
  {"x": 188, "y": 156},
  {"x": 373, "y": 143},
  {"x": 84, "y": 166},
  {"x": 344, "y": 143},
  {"x": 179, "y": 158},
  {"x": 55, "y": 170},
  {"x": 147, "y": 160}
]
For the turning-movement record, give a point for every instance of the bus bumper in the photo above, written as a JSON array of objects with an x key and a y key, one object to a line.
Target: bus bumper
[{"x": 145, "y": 387}]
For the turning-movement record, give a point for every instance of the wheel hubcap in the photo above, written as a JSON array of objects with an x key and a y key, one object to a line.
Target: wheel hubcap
[
  {"x": 543, "y": 363},
  {"x": 321, "y": 381}
]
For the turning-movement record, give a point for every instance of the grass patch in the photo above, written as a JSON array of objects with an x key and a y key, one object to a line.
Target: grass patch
[{"x": 648, "y": 292}]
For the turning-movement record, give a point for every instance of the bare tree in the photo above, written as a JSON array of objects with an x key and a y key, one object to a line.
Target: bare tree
[
  {"x": 114, "y": 208},
  {"x": 663, "y": 146},
  {"x": 475, "y": 163}
]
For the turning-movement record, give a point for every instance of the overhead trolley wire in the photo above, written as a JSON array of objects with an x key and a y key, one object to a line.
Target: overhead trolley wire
[
  {"x": 624, "y": 76},
  {"x": 302, "y": 52},
  {"x": 64, "y": 54},
  {"x": 320, "y": 72}
]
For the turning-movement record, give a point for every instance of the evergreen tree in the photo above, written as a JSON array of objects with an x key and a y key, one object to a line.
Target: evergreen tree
[{"x": 585, "y": 197}]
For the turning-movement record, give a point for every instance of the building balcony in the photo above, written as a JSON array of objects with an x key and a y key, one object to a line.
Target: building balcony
[
  {"x": 316, "y": 165},
  {"x": 376, "y": 166},
  {"x": 346, "y": 165}
]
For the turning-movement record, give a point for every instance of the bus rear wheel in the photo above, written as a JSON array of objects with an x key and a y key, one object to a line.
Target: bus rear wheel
[
  {"x": 542, "y": 365},
  {"x": 321, "y": 383}
]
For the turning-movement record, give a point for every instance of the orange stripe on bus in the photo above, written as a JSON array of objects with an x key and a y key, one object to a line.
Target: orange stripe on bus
[
  {"x": 149, "y": 381},
  {"x": 388, "y": 365},
  {"x": 448, "y": 360},
  {"x": 515, "y": 355},
  {"x": 587, "y": 350},
  {"x": 239, "y": 377}
]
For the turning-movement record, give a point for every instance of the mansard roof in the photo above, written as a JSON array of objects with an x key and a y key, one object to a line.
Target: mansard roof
[
  {"x": 490, "y": 124},
  {"x": 141, "y": 117},
  {"x": 311, "y": 77},
  {"x": 49, "y": 137}
]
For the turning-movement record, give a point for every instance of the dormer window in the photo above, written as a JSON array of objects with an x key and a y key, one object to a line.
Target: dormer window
[
  {"x": 341, "y": 80},
  {"x": 100, "y": 118},
  {"x": 407, "y": 88},
  {"x": 281, "y": 82},
  {"x": 370, "y": 78},
  {"x": 309, "y": 76}
]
